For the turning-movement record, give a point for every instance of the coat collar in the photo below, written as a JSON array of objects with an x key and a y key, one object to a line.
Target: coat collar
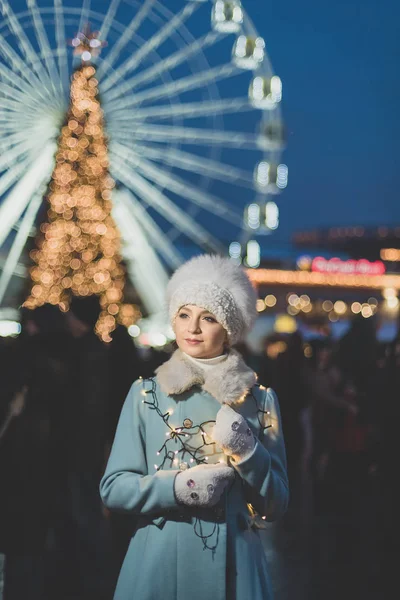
[{"x": 228, "y": 381}]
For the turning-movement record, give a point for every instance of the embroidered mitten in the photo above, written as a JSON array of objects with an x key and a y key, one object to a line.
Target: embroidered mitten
[
  {"x": 233, "y": 434},
  {"x": 202, "y": 485}
]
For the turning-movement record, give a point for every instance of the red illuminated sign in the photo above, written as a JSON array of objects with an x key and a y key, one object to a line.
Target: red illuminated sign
[{"x": 347, "y": 267}]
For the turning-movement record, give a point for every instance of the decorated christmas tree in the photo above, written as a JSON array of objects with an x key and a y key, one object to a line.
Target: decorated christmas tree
[{"x": 78, "y": 247}]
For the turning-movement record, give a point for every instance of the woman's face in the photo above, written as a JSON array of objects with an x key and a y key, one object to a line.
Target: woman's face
[{"x": 198, "y": 333}]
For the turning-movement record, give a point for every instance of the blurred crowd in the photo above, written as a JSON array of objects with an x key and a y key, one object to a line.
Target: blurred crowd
[
  {"x": 340, "y": 406},
  {"x": 62, "y": 391}
]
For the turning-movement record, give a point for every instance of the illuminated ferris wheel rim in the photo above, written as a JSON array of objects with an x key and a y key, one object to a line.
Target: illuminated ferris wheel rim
[{"x": 152, "y": 144}]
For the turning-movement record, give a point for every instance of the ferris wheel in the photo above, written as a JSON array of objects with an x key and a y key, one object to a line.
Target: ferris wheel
[{"x": 192, "y": 113}]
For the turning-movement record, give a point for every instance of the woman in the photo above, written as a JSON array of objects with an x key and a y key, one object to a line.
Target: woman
[{"x": 198, "y": 452}]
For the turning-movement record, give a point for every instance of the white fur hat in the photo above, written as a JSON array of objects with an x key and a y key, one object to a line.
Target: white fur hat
[{"x": 216, "y": 284}]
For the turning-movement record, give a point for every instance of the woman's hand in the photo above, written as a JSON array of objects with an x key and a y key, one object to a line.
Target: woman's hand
[
  {"x": 233, "y": 434},
  {"x": 202, "y": 485}
]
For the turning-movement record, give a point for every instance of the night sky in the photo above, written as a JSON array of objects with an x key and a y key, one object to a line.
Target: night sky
[{"x": 339, "y": 66}]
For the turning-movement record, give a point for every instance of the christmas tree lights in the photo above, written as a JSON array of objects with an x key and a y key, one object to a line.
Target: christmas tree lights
[{"x": 78, "y": 248}]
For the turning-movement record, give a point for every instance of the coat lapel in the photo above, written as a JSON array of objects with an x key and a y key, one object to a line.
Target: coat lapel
[{"x": 228, "y": 382}]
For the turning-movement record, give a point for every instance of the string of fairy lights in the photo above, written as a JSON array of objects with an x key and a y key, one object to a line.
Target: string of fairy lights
[
  {"x": 173, "y": 456},
  {"x": 179, "y": 435},
  {"x": 176, "y": 435}
]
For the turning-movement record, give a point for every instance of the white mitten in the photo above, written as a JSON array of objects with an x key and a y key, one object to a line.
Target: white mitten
[
  {"x": 202, "y": 485},
  {"x": 233, "y": 434}
]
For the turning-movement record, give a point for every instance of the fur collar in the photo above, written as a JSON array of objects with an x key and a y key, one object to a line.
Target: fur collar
[{"x": 228, "y": 382}]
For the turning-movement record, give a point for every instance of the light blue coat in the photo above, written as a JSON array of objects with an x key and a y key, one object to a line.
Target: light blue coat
[{"x": 167, "y": 558}]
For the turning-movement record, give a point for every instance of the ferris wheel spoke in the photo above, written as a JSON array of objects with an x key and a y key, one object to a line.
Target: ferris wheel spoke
[
  {"x": 6, "y": 131},
  {"x": 154, "y": 233},
  {"x": 84, "y": 14},
  {"x": 128, "y": 34},
  {"x": 19, "y": 243},
  {"x": 12, "y": 175},
  {"x": 166, "y": 208},
  {"x": 21, "y": 106},
  {"x": 61, "y": 44},
  {"x": 43, "y": 43},
  {"x": 22, "y": 100},
  {"x": 140, "y": 257},
  {"x": 152, "y": 44},
  {"x": 11, "y": 57},
  {"x": 187, "y": 110},
  {"x": 13, "y": 140},
  {"x": 108, "y": 19},
  {"x": 10, "y": 105},
  {"x": 10, "y": 158},
  {"x": 181, "y": 187},
  {"x": 24, "y": 44},
  {"x": 24, "y": 139},
  {"x": 166, "y": 64},
  {"x": 10, "y": 123},
  {"x": 197, "y": 164},
  {"x": 175, "y": 184},
  {"x": 16, "y": 82},
  {"x": 14, "y": 154},
  {"x": 17, "y": 200},
  {"x": 180, "y": 86},
  {"x": 19, "y": 66},
  {"x": 189, "y": 135}
]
